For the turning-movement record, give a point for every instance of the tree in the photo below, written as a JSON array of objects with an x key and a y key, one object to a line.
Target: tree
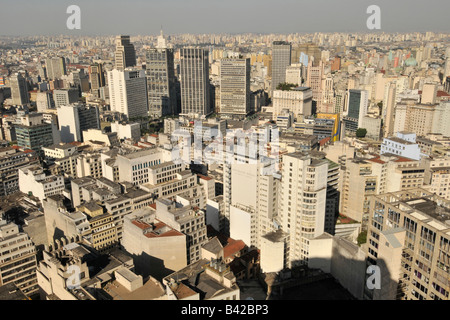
[
  {"x": 361, "y": 132},
  {"x": 286, "y": 86},
  {"x": 362, "y": 238}
]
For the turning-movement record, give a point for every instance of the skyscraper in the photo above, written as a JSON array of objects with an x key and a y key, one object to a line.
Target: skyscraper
[
  {"x": 357, "y": 106},
  {"x": 19, "y": 89},
  {"x": 281, "y": 58},
  {"x": 125, "y": 55},
  {"x": 128, "y": 92},
  {"x": 33, "y": 133},
  {"x": 302, "y": 203},
  {"x": 56, "y": 68},
  {"x": 389, "y": 109},
  {"x": 96, "y": 78},
  {"x": 194, "y": 68},
  {"x": 74, "y": 119},
  {"x": 161, "y": 80},
  {"x": 235, "y": 86}
]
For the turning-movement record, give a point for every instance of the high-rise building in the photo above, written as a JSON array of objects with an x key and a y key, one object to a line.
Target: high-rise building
[
  {"x": 125, "y": 55},
  {"x": 18, "y": 261},
  {"x": 65, "y": 97},
  {"x": 10, "y": 161},
  {"x": 235, "y": 86},
  {"x": 281, "y": 59},
  {"x": 33, "y": 133},
  {"x": 389, "y": 103},
  {"x": 356, "y": 109},
  {"x": 302, "y": 203},
  {"x": 56, "y": 68},
  {"x": 297, "y": 100},
  {"x": 96, "y": 78},
  {"x": 128, "y": 92},
  {"x": 294, "y": 74},
  {"x": 19, "y": 89},
  {"x": 408, "y": 241},
  {"x": 161, "y": 80},
  {"x": 74, "y": 119},
  {"x": 195, "y": 86},
  {"x": 314, "y": 75}
]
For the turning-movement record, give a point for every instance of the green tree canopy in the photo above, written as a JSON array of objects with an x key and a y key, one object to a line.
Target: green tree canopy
[{"x": 361, "y": 132}]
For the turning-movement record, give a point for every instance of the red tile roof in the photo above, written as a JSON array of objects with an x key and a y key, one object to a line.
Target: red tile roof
[{"x": 233, "y": 247}]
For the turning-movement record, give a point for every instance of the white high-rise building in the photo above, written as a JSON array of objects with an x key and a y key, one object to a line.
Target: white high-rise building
[
  {"x": 302, "y": 203},
  {"x": 128, "y": 92},
  {"x": 250, "y": 200}
]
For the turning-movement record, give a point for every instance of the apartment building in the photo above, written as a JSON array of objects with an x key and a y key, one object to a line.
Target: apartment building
[
  {"x": 18, "y": 260},
  {"x": 408, "y": 239}
]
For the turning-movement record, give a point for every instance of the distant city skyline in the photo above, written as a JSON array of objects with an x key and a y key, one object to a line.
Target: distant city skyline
[{"x": 139, "y": 17}]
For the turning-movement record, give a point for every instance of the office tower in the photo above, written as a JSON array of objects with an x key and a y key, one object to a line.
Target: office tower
[
  {"x": 125, "y": 55},
  {"x": 19, "y": 89},
  {"x": 74, "y": 119},
  {"x": 65, "y": 97},
  {"x": 18, "y": 261},
  {"x": 302, "y": 203},
  {"x": 96, "y": 78},
  {"x": 79, "y": 80},
  {"x": 327, "y": 103},
  {"x": 56, "y": 68},
  {"x": 281, "y": 59},
  {"x": 195, "y": 87},
  {"x": 297, "y": 100},
  {"x": 356, "y": 109},
  {"x": 33, "y": 133},
  {"x": 408, "y": 241},
  {"x": 235, "y": 86},
  {"x": 314, "y": 76},
  {"x": 161, "y": 80},
  {"x": 128, "y": 92},
  {"x": 388, "y": 113}
]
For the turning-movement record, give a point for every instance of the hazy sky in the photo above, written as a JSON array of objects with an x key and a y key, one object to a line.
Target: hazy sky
[{"x": 133, "y": 17}]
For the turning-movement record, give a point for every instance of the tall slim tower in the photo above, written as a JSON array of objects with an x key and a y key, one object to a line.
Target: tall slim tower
[
  {"x": 195, "y": 95},
  {"x": 281, "y": 58},
  {"x": 389, "y": 109},
  {"x": 161, "y": 81},
  {"x": 19, "y": 89},
  {"x": 96, "y": 76},
  {"x": 125, "y": 55},
  {"x": 56, "y": 68},
  {"x": 235, "y": 86},
  {"x": 302, "y": 203}
]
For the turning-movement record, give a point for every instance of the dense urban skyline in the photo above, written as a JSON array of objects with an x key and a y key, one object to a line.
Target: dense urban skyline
[{"x": 136, "y": 17}]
